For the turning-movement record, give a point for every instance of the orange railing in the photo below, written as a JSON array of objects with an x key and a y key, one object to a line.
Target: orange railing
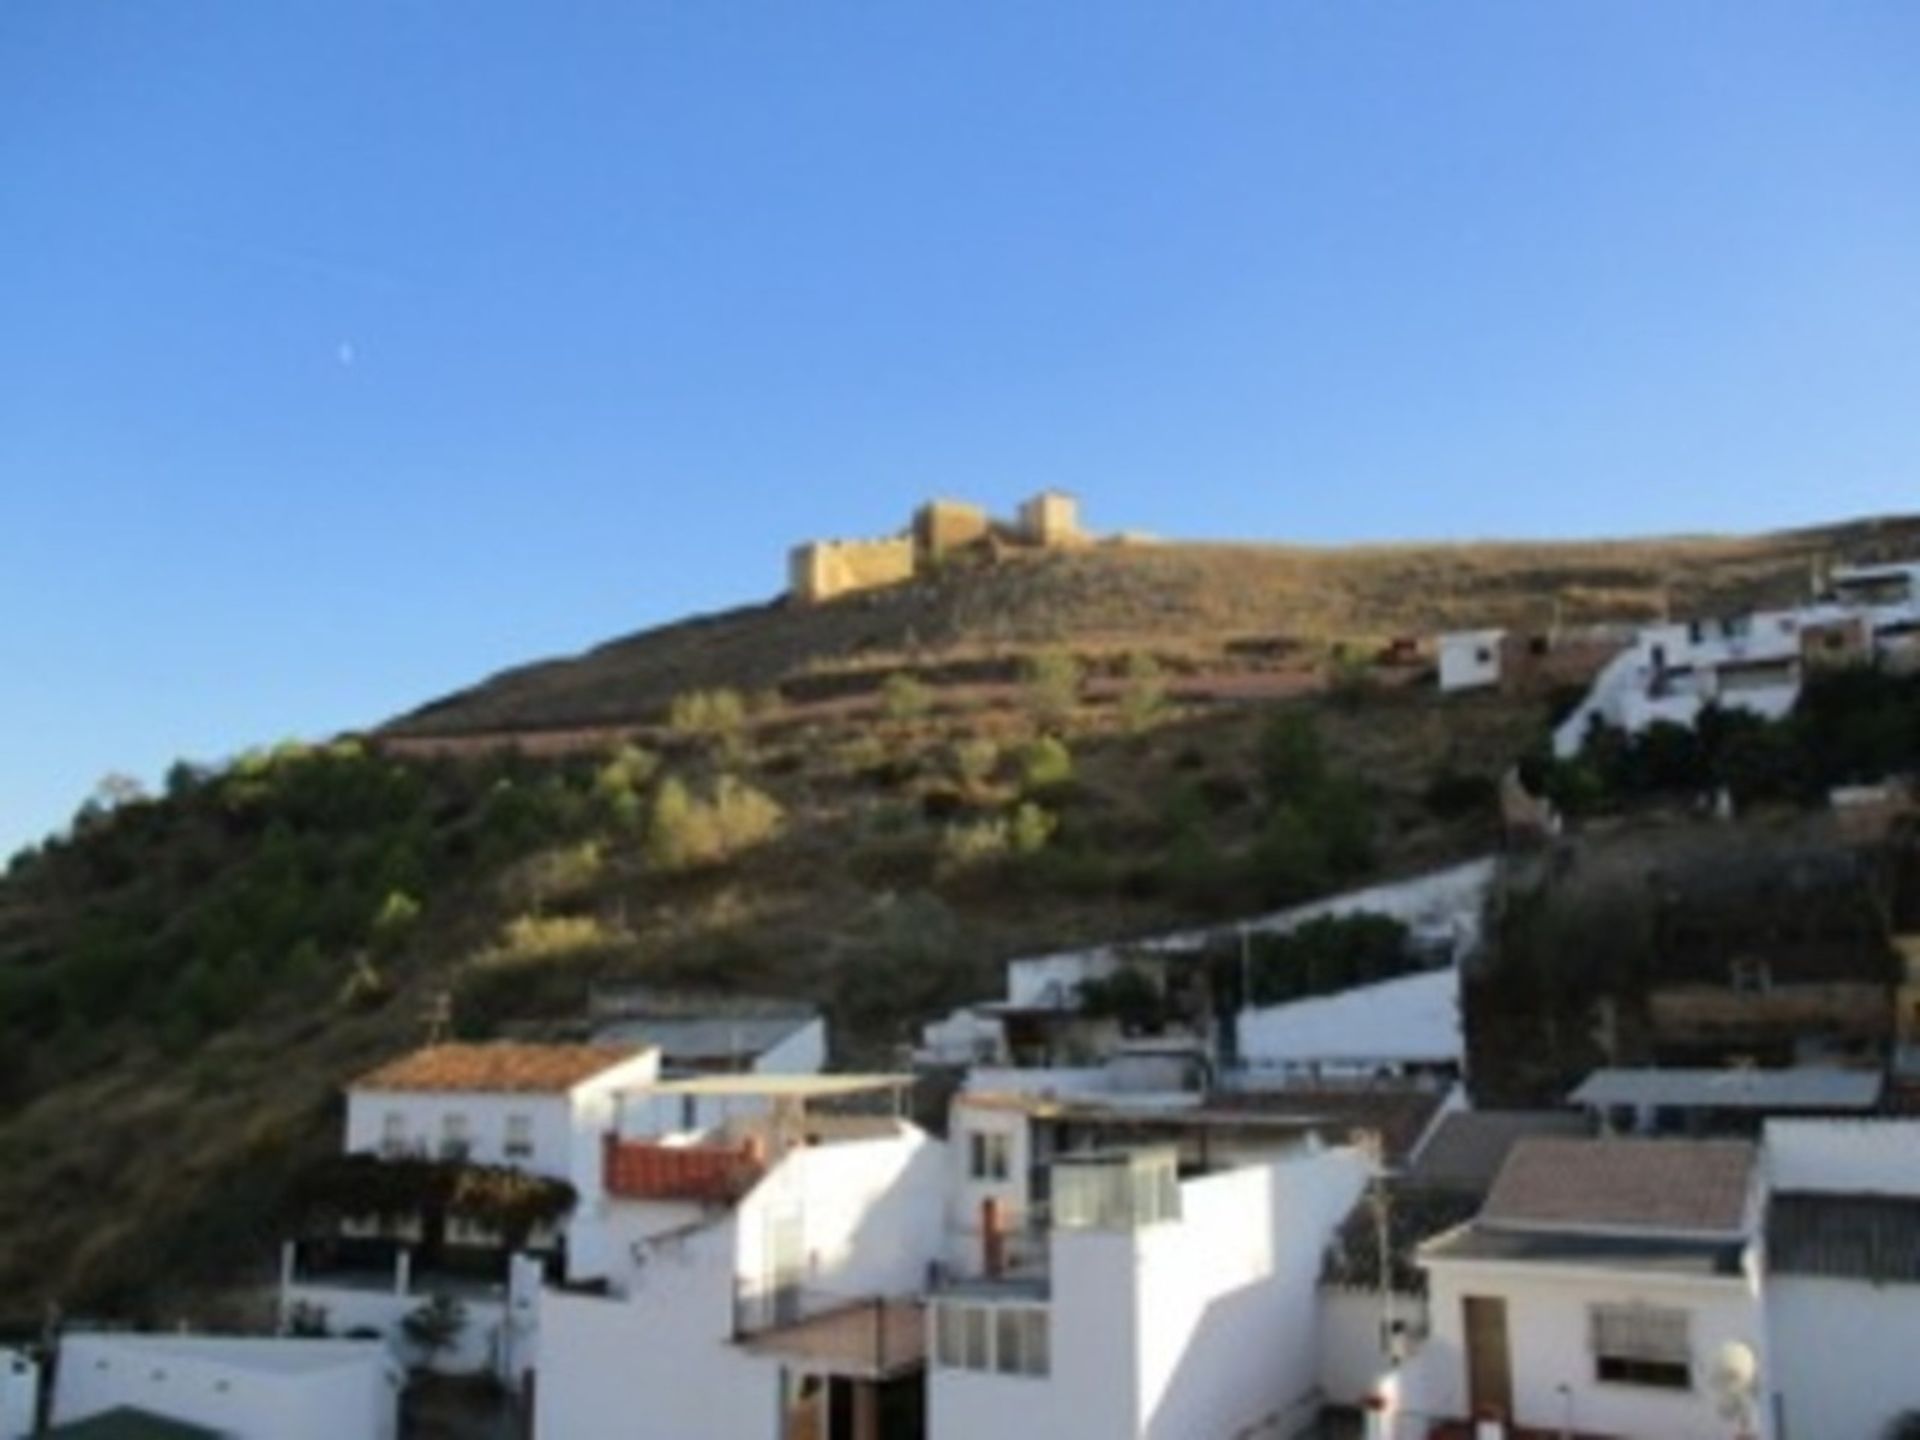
[{"x": 709, "y": 1174}]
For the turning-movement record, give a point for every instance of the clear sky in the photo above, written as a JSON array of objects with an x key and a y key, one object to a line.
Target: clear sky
[{"x": 352, "y": 350}]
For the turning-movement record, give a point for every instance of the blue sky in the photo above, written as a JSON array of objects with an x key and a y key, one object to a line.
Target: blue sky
[{"x": 350, "y": 351}]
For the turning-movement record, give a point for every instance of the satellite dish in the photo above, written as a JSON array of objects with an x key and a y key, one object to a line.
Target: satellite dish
[{"x": 1735, "y": 1378}]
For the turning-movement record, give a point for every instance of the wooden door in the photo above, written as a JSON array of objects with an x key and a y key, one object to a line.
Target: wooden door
[{"x": 1489, "y": 1367}]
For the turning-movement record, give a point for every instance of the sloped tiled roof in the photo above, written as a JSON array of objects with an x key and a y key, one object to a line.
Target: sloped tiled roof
[
  {"x": 496, "y": 1068},
  {"x": 1468, "y": 1147},
  {"x": 1673, "y": 1187},
  {"x": 1850, "y": 1237}
]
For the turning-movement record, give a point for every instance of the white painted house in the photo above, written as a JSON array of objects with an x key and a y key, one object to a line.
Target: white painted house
[
  {"x": 1470, "y": 659},
  {"x": 1755, "y": 663},
  {"x": 1159, "y": 1307},
  {"x": 1843, "y": 1275},
  {"x": 539, "y": 1109},
  {"x": 756, "y": 1281},
  {"x": 1607, "y": 1287},
  {"x": 239, "y": 1387}
]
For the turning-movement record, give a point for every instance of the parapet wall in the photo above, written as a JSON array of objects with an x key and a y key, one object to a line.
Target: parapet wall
[{"x": 822, "y": 569}]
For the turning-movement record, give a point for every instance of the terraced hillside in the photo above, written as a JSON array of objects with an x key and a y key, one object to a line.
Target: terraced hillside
[{"x": 1205, "y": 608}]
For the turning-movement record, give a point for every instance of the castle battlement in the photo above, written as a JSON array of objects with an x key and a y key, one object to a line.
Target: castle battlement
[{"x": 819, "y": 570}]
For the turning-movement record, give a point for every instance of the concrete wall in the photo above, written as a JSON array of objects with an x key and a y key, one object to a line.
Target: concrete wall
[
  {"x": 822, "y": 569},
  {"x": 1551, "y": 1359},
  {"x": 248, "y": 1389},
  {"x": 1844, "y": 1354}
]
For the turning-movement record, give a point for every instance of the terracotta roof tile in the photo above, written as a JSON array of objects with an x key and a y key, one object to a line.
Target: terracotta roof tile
[
  {"x": 1666, "y": 1186},
  {"x": 496, "y": 1068}
]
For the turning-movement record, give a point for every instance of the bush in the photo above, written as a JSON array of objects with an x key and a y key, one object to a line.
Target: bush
[
  {"x": 717, "y": 717},
  {"x": 1046, "y": 764},
  {"x": 543, "y": 937},
  {"x": 1143, "y": 698},
  {"x": 688, "y": 831},
  {"x": 563, "y": 875},
  {"x": 904, "y": 699},
  {"x": 1053, "y": 687},
  {"x": 1030, "y": 829},
  {"x": 618, "y": 784},
  {"x": 975, "y": 760},
  {"x": 975, "y": 841}
]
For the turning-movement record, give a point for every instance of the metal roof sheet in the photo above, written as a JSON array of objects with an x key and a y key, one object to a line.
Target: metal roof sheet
[{"x": 1734, "y": 1089}]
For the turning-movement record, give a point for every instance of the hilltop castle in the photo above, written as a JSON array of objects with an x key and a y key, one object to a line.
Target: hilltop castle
[{"x": 821, "y": 569}]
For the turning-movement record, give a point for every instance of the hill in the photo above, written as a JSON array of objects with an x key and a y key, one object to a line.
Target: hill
[
  {"x": 1215, "y": 610},
  {"x": 187, "y": 980}
]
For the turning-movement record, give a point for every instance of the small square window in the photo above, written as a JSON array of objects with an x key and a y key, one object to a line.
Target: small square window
[{"x": 988, "y": 1156}]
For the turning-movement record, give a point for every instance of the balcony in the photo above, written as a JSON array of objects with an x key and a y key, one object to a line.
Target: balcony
[
  {"x": 701, "y": 1174},
  {"x": 870, "y": 1337}
]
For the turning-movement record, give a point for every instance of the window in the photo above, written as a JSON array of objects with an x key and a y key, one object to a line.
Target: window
[
  {"x": 1020, "y": 1340},
  {"x": 988, "y": 1156},
  {"x": 1009, "y": 1339},
  {"x": 455, "y": 1143},
  {"x": 519, "y": 1144},
  {"x": 393, "y": 1134},
  {"x": 1642, "y": 1345}
]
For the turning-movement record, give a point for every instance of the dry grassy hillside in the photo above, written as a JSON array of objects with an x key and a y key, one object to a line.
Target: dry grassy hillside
[{"x": 1187, "y": 602}]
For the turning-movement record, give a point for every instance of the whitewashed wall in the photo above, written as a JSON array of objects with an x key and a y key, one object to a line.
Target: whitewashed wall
[
  {"x": 1470, "y": 659},
  {"x": 804, "y": 1052},
  {"x": 247, "y": 1389},
  {"x": 1547, "y": 1332},
  {"x": 1203, "y": 1328},
  {"x": 477, "y": 1349},
  {"x": 1414, "y": 1019},
  {"x": 1844, "y": 1355},
  {"x": 659, "y": 1363},
  {"x": 1353, "y": 1358},
  {"x": 19, "y": 1395},
  {"x": 1844, "y": 1156}
]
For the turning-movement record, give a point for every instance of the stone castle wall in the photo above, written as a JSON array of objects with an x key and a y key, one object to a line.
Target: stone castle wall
[{"x": 822, "y": 569}]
